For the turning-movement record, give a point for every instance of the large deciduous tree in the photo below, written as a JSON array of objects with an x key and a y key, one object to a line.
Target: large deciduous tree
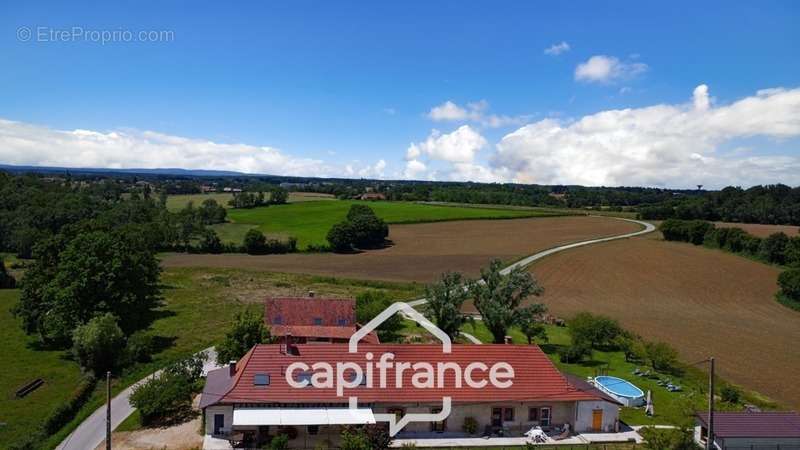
[
  {"x": 498, "y": 296},
  {"x": 445, "y": 299},
  {"x": 96, "y": 272},
  {"x": 247, "y": 331}
]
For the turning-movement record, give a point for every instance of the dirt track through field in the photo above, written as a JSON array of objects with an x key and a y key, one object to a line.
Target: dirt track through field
[
  {"x": 704, "y": 302},
  {"x": 421, "y": 252}
]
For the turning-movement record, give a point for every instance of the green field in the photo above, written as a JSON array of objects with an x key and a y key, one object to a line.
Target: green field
[{"x": 309, "y": 222}]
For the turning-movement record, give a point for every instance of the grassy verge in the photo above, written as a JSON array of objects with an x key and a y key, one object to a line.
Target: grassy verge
[
  {"x": 199, "y": 304},
  {"x": 309, "y": 222}
]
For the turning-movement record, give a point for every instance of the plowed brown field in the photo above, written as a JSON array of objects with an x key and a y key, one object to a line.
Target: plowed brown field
[
  {"x": 704, "y": 302},
  {"x": 421, "y": 252}
]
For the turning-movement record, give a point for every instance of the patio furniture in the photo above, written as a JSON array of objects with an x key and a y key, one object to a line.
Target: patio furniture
[{"x": 536, "y": 435}]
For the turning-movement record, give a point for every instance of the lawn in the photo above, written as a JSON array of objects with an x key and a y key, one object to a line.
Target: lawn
[
  {"x": 24, "y": 363},
  {"x": 309, "y": 222},
  {"x": 199, "y": 305},
  {"x": 670, "y": 407}
]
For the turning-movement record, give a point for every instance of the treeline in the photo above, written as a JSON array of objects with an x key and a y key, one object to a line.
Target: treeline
[
  {"x": 247, "y": 200},
  {"x": 772, "y": 204},
  {"x": 777, "y": 248}
]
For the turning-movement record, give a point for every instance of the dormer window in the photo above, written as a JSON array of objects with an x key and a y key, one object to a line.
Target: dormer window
[
  {"x": 278, "y": 320},
  {"x": 317, "y": 320},
  {"x": 342, "y": 322},
  {"x": 304, "y": 377},
  {"x": 261, "y": 380}
]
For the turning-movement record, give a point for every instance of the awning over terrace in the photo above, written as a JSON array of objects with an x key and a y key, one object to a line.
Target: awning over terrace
[{"x": 302, "y": 416}]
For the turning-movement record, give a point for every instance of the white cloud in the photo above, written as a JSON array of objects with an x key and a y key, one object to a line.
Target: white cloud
[
  {"x": 605, "y": 69},
  {"x": 26, "y": 144},
  {"x": 557, "y": 49},
  {"x": 375, "y": 171},
  {"x": 473, "y": 112},
  {"x": 459, "y": 146},
  {"x": 414, "y": 168},
  {"x": 661, "y": 145}
]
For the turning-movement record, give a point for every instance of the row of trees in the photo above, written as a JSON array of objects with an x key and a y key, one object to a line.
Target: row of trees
[
  {"x": 771, "y": 204},
  {"x": 362, "y": 229},
  {"x": 246, "y": 200},
  {"x": 497, "y": 296},
  {"x": 777, "y": 248}
]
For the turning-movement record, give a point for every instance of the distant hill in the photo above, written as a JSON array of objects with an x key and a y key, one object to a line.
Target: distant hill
[{"x": 164, "y": 171}]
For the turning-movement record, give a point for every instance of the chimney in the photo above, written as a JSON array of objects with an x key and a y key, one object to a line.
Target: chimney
[
  {"x": 310, "y": 294},
  {"x": 232, "y": 368}
]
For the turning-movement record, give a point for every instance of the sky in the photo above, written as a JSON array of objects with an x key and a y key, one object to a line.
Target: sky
[{"x": 668, "y": 94}]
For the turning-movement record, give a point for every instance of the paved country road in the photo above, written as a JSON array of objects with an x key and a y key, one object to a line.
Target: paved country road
[{"x": 91, "y": 432}]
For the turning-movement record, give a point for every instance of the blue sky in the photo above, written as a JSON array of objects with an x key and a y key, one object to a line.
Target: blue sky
[{"x": 323, "y": 86}]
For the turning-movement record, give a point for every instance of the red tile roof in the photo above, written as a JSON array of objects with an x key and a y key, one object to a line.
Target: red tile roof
[
  {"x": 304, "y": 310},
  {"x": 770, "y": 424},
  {"x": 536, "y": 378},
  {"x": 313, "y": 317}
]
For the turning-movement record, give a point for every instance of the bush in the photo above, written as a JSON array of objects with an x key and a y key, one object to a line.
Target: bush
[
  {"x": 6, "y": 280},
  {"x": 140, "y": 347},
  {"x": 66, "y": 411},
  {"x": 279, "y": 442},
  {"x": 362, "y": 229},
  {"x": 793, "y": 252},
  {"x": 288, "y": 431},
  {"x": 341, "y": 237},
  {"x": 789, "y": 281},
  {"x": 662, "y": 357},
  {"x": 773, "y": 248},
  {"x": 371, "y": 303},
  {"x": 693, "y": 231},
  {"x": 167, "y": 397},
  {"x": 255, "y": 243},
  {"x": 470, "y": 425},
  {"x": 574, "y": 353},
  {"x": 595, "y": 331},
  {"x": 211, "y": 243},
  {"x": 730, "y": 394},
  {"x": 96, "y": 344},
  {"x": 668, "y": 439}
]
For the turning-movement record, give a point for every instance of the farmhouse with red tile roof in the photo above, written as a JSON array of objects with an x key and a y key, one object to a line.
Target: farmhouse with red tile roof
[
  {"x": 255, "y": 397},
  {"x": 312, "y": 320},
  {"x": 737, "y": 430}
]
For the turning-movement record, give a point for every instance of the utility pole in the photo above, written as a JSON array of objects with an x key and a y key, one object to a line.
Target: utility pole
[
  {"x": 710, "y": 438},
  {"x": 108, "y": 410}
]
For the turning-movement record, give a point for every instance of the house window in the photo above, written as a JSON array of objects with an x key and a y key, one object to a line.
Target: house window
[
  {"x": 261, "y": 379},
  {"x": 277, "y": 320},
  {"x": 317, "y": 320},
  {"x": 544, "y": 416},
  {"x": 342, "y": 322},
  {"x": 508, "y": 415},
  {"x": 438, "y": 427},
  {"x": 398, "y": 412},
  {"x": 533, "y": 414},
  {"x": 313, "y": 430}
]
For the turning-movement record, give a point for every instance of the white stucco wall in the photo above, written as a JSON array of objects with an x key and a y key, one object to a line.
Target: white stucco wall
[
  {"x": 583, "y": 418},
  {"x": 218, "y": 409}
]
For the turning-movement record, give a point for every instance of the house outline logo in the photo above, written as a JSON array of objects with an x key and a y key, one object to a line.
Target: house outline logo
[{"x": 395, "y": 424}]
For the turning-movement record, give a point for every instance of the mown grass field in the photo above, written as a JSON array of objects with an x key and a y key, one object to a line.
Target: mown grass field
[
  {"x": 23, "y": 363},
  {"x": 178, "y": 202},
  {"x": 309, "y": 222},
  {"x": 199, "y": 305}
]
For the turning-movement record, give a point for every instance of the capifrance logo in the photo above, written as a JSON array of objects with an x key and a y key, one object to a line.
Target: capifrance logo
[{"x": 373, "y": 372}]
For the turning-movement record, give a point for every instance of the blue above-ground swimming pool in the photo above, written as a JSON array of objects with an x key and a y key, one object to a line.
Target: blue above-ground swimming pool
[{"x": 622, "y": 390}]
